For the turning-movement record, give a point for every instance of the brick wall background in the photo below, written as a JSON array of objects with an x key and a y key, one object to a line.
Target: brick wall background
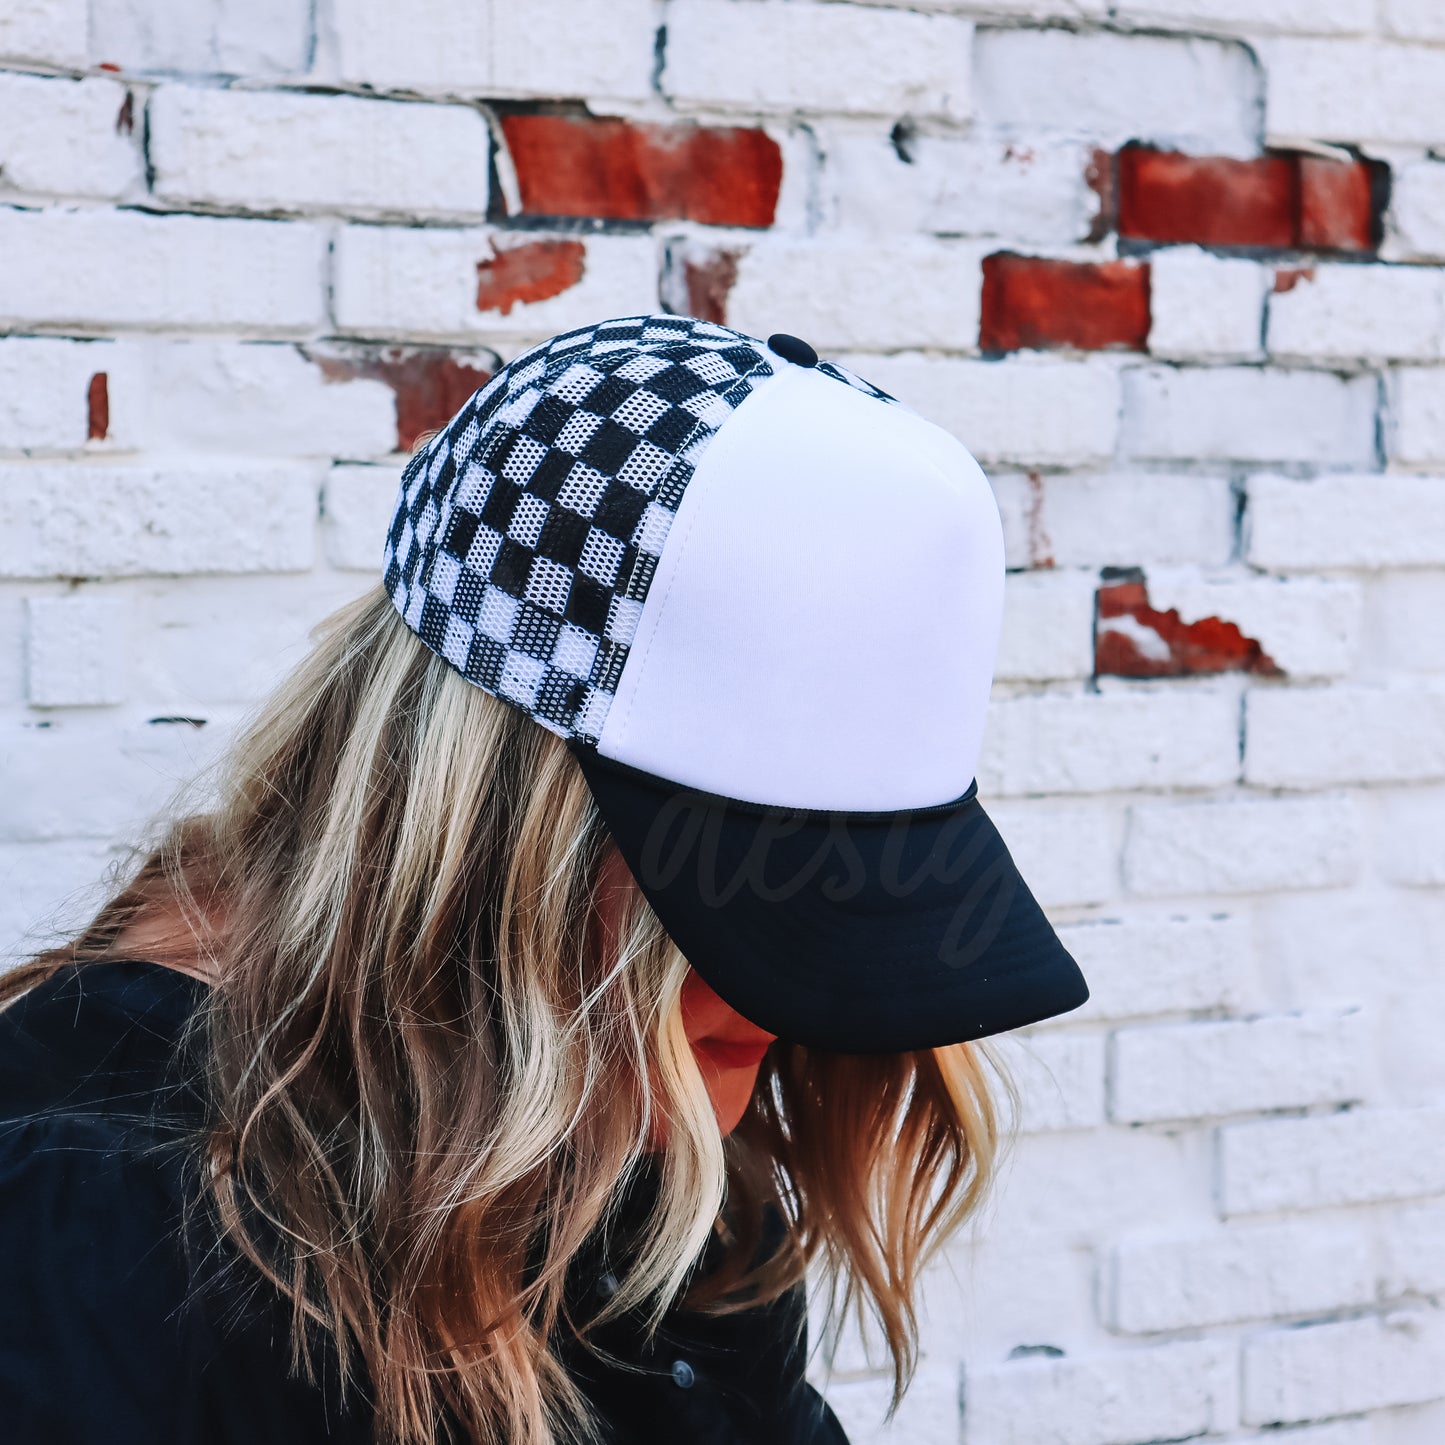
[{"x": 1173, "y": 269}]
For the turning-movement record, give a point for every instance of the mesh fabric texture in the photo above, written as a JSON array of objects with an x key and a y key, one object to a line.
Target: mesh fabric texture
[{"x": 527, "y": 532}]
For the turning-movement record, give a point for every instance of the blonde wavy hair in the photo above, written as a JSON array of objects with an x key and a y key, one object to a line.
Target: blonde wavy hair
[{"x": 430, "y": 1087}]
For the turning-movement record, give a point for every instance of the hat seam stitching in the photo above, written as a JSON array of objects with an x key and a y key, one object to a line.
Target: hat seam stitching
[{"x": 865, "y": 816}]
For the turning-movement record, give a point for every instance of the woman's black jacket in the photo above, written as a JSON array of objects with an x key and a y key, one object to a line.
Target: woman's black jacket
[{"x": 114, "y": 1333}]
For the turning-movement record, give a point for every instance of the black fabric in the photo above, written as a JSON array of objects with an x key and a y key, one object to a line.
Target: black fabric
[
  {"x": 116, "y": 1329},
  {"x": 850, "y": 932}
]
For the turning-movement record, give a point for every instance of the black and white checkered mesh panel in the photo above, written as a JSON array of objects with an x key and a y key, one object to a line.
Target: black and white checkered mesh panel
[{"x": 526, "y": 534}]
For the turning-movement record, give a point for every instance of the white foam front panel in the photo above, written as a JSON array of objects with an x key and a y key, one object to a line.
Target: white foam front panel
[{"x": 822, "y": 627}]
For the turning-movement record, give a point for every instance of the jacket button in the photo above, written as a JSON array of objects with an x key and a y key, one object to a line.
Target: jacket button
[
  {"x": 607, "y": 1285},
  {"x": 682, "y": 1375}
]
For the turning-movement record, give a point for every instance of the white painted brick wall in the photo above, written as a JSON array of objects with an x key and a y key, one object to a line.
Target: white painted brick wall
[
  {"x": 949, "y": 185},
  {"x": 1078, "y": 1191},
  {"x": 1309, "y": 626},
  {"x": 1410, "y": 836},
  {"x": 125, "y": 521},
  {"x": 1179, "y": 91},
  {"x": 1031, "y": 411},
  {"x": 610, "y": 50},
  {"x": 1309, "y": 737},
  {"x": 357, "y": 506},
  {"x": 1322, "y": 948},
  {"x": 144, "y": 765},
  {"x": 1068, "y": 854},
  {"x": 1345, "y": 521},
  {"x": 1344, "y": 1368},
  {"x": 1254, "y": 845},
  {"x": 1339, "y": 313},
  {"x": 1358, "y": 1431},
  {"x": 223, "y": 640},
  {"x": 1414, "y": 1251},
  {"x": 1048, "y": 627},
  {"x": 66, "y": 875},
  {"x": 1204, "y": 305},
  {"x": 242, "y": 398},
  {"x": 245, "y": 244},
  {"x": 1401, "y": 609},
  {"x": 1246, "y": 1272},
  {"x": 1417, "y": 415},
  {"x": 48, "y": 31},
  {"x": 1246, "y": 414},
  {"x": 1348, "y": 1158},
  {"x": 267, "y": 37},
  {"x": 1020, "y": 500},
  {"x": 1417, "y": 210},
  {"x": 928, "y": 1413},
  {"x": 1343, "y": 17},
  {"x": 1060, "y": 1076},
  {"x": 1281, "y": 1061},
  {"x": 1113, "y": 741},
  {"x": 1336, "y": 90},
  {"x": 818, "y": 57},
  {"x": 1413, "y": 20},
  {"x": 44, "y": 386},
  {"x": 317, "y": 153},
  {"x": 491, "y": 47},
  {"x": 432, "y": 44},
  {"x": 1137, "y": 966},
  {"x": 395, "y": 281},
  {"x": 66, "y": 137},
  {"x": 926, "y": 293},
  {"x": 75, "y": 651},
  {"x": 1024, "y": 9},
  {"x": 1161, "y": 1392},
  {"x": 126, "y": 269},
  {"x": 1104, "y": 519}
]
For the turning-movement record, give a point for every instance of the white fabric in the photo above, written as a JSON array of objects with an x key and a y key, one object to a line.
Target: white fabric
[{"x": 822, "y": 627}]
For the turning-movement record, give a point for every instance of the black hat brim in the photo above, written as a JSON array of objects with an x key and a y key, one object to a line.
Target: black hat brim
[{"x": 845, "y": 931}]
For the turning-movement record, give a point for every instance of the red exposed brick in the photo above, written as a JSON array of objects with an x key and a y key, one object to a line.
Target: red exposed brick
[
  {"x": 1286, "y": 278},
  {"x": 1101, "y": 175},
  {"x": 622, "y": 171},
  {"x": 709, "y": 279},
  {"x": 430, "y": 386},
  {"x": 108, "y": 65},
  {"x": 1280, "y": 200},
  {"x": 1212, "y": 200},
  {"x": 530, "y": 272},
  {"x": 1031, "y": 301},
  {"x": 1338, "y": 210},
  {"x": 97, "y": 400},
  {"x": 1041, "y": 546},
  {"x": 1132, "y": 639}
]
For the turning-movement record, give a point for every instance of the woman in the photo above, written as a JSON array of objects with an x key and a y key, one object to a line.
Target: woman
[{"x": 595, "y": 931}]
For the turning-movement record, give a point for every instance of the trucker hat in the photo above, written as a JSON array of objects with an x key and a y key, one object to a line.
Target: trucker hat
[{"x": 761, "y": 600}]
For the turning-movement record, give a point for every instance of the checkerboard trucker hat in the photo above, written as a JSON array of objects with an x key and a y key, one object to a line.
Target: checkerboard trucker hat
[{"x": 761, "y": 601}]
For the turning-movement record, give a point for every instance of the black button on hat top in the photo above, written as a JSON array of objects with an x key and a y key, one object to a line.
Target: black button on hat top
[{"x": 790, "y": 348}]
